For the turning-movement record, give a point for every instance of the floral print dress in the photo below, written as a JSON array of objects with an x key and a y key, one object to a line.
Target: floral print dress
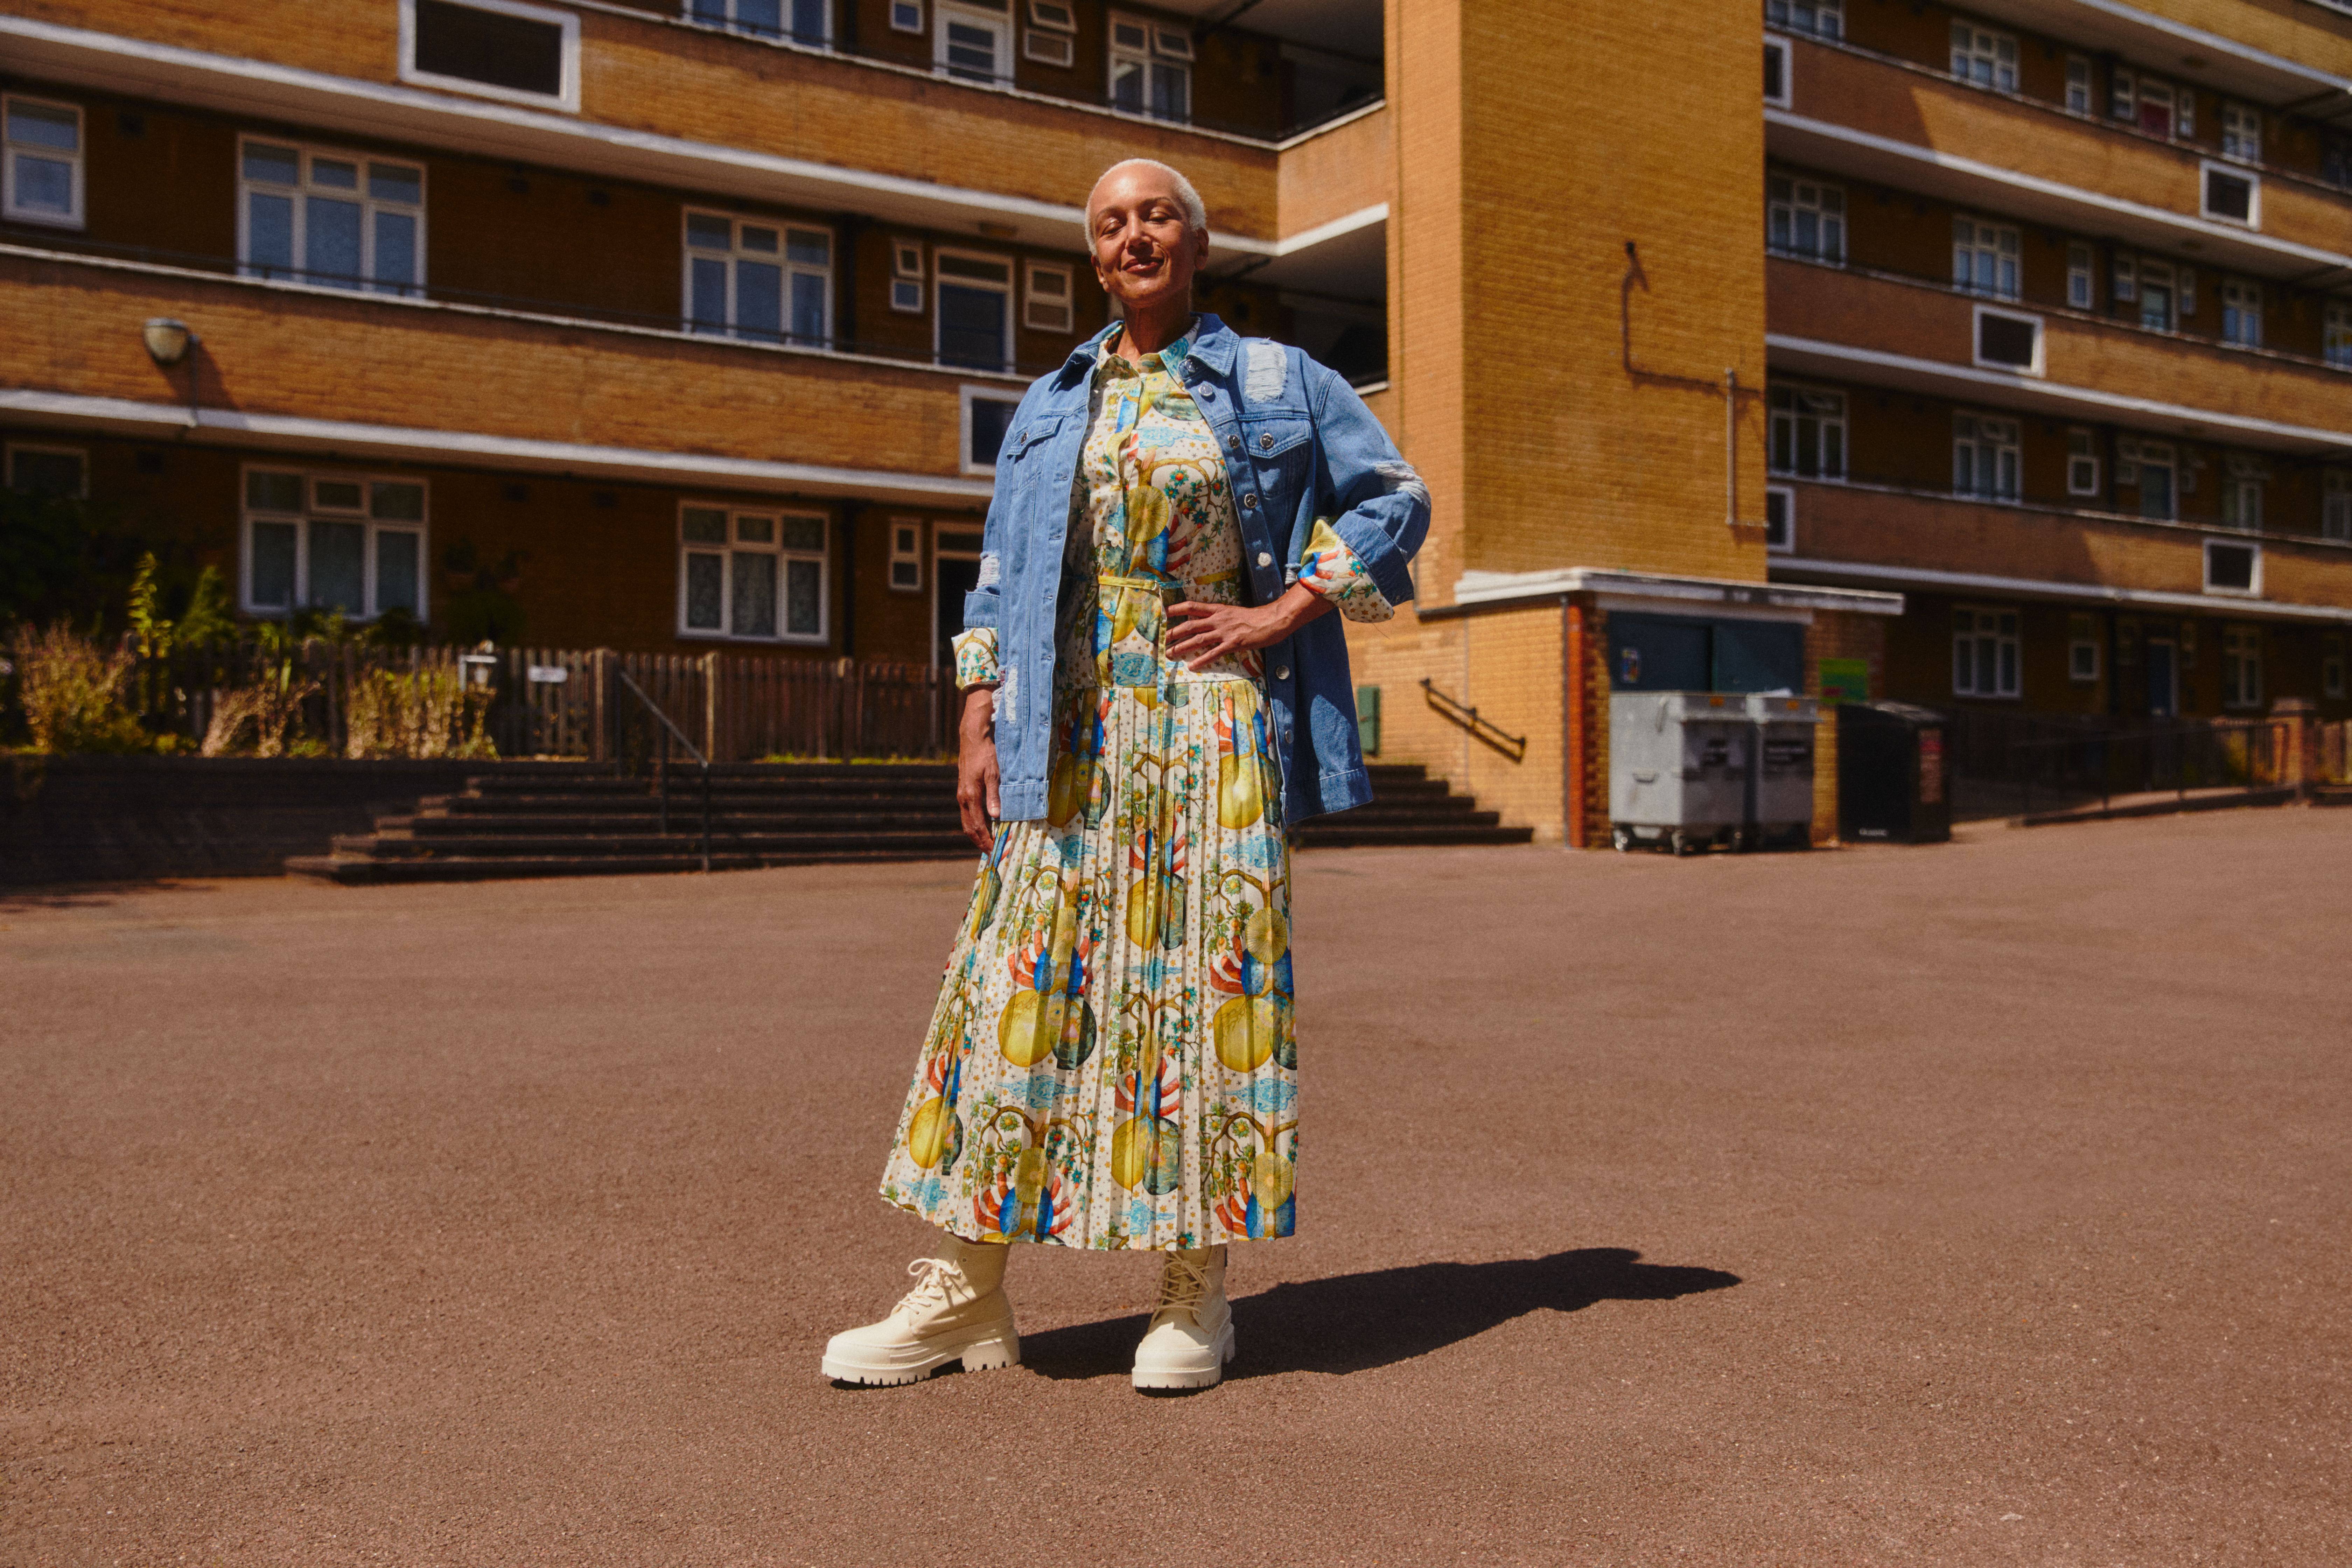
[{"x": 1112, "y": 1062}]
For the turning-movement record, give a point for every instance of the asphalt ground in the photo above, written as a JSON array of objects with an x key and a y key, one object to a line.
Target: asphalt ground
[{"x": 1980, "y": 1205}]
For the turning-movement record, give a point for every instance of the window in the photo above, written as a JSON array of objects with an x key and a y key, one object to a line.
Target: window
[
  {"x": 971, "y": 44},
  {"x": 1985, "y": 258},
  {"x": 330, "y": 219},
  {"x": 1808, "y": 433},
  {"x": 905, "y": 555},
  {"x": 2150, "y": 105},
  {"x": 2242, "y": 313},
  {"x": 2079, "y": 292},
  {"x": 2242, "y": 667},
  {"x": 498, "y": 48},
  {"x": 49, "y": 470},
  {"x": 1984, "y": 653},
  {"x": 2331, "y": 665},
  {"x": 2006, "y": 341},
  {"x": 2241, "y": 492},
  {"x": 2125, "y": 287},
  {"x": 1988, "y": 60},
  {"x": 2241, "y": 133},
  {"x": 2078, "y": 85},
  {"x": 1804, "y": 218},
  {"x": 975, "y": 313},
  {"x": 2155, "y": 297},
  {"x": 987, "y": 419},
  {"x": 1150, "y": 69},
  {"x": 804, "y": 21},
  {"x": 44, "y": 167},
  {"x": 2336, "y": 159},
  {"x": 2232, "y": 568},
  {"x": 1822, "y": 18},
  {"x": 2150, "y": 465},
  {"x": 2336, "y": 505},
  {"x": 751, "y": 573},
  {"x": 1780, "y": 517},
  {"x": 2082, "y": 463},
  {"x": 907, "y": 276},
  {"x": 2081, "y": 647},
  {"x": 1986, "y": 460},
  {"x": 1047, "y": 306},
  {"x": 2336, "y": 333},
  {"x": 353, "y": 542},
  {"x": 766, "y": 282},
  {"x": 1050, "y": 38},
  {"x": 1776, "y": 73},
  {"x": 907, "y": 15},
  {"x": 2234, "y": 195}
]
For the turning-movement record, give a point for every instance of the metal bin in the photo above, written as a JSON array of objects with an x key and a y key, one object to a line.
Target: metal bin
[
  {"x": 1677, "y": 769},
  {"x": 1891, "y": 774},
  {"x": 1780, "y": 784}
]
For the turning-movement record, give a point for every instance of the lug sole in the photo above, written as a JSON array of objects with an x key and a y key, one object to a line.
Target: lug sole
[
  {"x": 1159, "y": 1378},
  {"x": 981, "y": 1355}
]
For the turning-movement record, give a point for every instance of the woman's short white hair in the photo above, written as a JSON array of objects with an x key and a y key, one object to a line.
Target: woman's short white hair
[{"x": 1196, "y": 211}]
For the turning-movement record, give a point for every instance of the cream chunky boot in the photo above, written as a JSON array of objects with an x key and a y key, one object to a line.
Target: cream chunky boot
[
  {"x": 1192, "y": 1332},
  {"x": 956, "y": 1311}
]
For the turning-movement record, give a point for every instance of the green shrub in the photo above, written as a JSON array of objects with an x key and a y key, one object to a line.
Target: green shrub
[
  {"x": 73, "y": 692},
  {"x": 428, "y": 713}
]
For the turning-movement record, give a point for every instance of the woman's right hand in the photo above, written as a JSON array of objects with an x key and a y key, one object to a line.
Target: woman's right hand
[{"x": 976, "y": 792}]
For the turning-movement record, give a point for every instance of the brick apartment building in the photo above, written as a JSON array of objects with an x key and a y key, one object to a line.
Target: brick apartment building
[{"x": 684, "y": 325}]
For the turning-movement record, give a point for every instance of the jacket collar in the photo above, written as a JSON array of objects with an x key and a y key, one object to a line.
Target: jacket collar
[{"x": 1212, "y": 343}]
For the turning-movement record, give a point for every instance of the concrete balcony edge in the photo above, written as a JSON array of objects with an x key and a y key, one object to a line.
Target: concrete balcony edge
[{"x": 1916, "y": 577}]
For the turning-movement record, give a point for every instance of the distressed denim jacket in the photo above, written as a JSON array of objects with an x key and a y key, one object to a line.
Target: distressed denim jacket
[{"x": 1299, "y": 444}]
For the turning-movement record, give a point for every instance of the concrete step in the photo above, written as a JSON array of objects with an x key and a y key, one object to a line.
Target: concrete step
[
  {"x": 611, "y": 846},
  {"x": 641, "y": 818},
  {"x": 356, "y": 871},
  {"x": 1342, "y": 835}
]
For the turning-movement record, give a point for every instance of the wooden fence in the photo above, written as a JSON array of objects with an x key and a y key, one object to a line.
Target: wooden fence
[{"x": 566, "y": 702}]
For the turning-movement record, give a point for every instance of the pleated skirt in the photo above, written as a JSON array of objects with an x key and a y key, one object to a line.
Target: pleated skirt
[{"x": 1112, "y": 1062}]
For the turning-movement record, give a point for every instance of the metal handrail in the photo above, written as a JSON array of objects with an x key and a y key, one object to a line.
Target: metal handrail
[
  {"x": 1512, "y": 746},
  {"x": 2184, "y": 734},
  {"x": 670, "y": 729}
]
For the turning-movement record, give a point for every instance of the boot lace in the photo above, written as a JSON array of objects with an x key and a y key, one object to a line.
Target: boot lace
[
  {"x": 935, "y": 1280},
  {"x": 1182, "y": 1286}
]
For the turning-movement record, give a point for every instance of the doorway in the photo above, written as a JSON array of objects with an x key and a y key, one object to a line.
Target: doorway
[
  {"x": 2159, "y": 659},
  {"x": 955, "y": 571}
]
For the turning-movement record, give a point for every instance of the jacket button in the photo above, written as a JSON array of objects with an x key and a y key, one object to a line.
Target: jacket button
[
  {"x": 1265, "y": 443},
  {"x": 1249, "y": 503},
  {"x": 1233, "y": 443},
  {"x": 1204, "y": 392},
  {"x": 1282, "y": 672},
  {"x": 1265, "y": 559}
]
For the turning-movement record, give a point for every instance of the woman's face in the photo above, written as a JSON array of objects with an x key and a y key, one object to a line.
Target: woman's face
[{"x": 1145, "y": 249}]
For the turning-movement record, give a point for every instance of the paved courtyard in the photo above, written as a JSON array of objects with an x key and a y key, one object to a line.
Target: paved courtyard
[{"x": 1981, "y": 1203}]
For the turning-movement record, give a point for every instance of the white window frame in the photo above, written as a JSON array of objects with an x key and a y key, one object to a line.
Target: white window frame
[
  {"x": 940, "y": 278},
  {"x": 2082, "y": 650},
  {"x": 1786, "y": 98},
  {"x": 1783, "y": 497},
  {"x": 301, "y": 191},
  {"x": 2241, "y": 668},
  {"x": 2242, "y": 313},
  {"x": 2133, "y": 455},
  {"x": 1051, "y": 36},
  {"x": 2081, "y": 87},
  {"x": 1067, "y": 302},
  {"x": 311, "y": 511},
  {"x": 907, "y": 15},
  {"x": 906, "y": 552},
  {"x": 2007, "y": 641},
  {"x": 965, "y": 397},
  {"x": 907, "y": 291},
  {"x": 1788, "y": 200},
  {"x": 2335, "y": 333},
  {"x": 1817, "y": 18},
  {"x": 2241, "y": 133},
  {"x": 1994, "y": 442},
  {"x": 1165, "y": 48},
  {"x": 1976, "y": 340},
  {"x": 47, "y": 449},
  {"x": 2208, "y": 169},
  {"x": 998, "y": 23},
  {"x": 2253, "y": 589},
  {"x": 784, "y": 556},
  {"x": 78, "y": 159},
  {"x": 2082, "y": 277},
  {"x": 2335, "y": 504},
  {"x": 2151, "y": 274},
  {"x": 727, "y": 19},
  {"x": 942, "y": 533},
  {"x": 2001, "y": 243},
  {"x": 566, "y": 97},
  {"x": 1791, "y": 416},
  {"x": 2081, "y": 462},
  {"x": 1977, "y": 58},
  {"x": 2242, "y": 479},
  {"x": 781, "y": 259}
]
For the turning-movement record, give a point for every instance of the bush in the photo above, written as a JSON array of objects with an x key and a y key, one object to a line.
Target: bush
[
  {"x": 72, "y": 692},
  {"x": 428, "y": 713}
]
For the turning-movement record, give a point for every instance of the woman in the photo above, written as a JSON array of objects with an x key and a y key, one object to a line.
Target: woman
[{"x": 1152, "y": 692}]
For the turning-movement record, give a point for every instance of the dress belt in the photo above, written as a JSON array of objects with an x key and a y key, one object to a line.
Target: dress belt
[{"x": 1163, "y": 584}]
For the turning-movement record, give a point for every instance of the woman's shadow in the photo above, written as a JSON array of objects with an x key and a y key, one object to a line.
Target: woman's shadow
[{"x": 1354, "y": 1321}]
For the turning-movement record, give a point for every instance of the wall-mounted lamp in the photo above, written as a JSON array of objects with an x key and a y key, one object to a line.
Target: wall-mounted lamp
[{"x": 168, "y": 340}]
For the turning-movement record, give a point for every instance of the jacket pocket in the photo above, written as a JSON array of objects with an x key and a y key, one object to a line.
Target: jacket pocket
[
  {"x": 1030, "y": 435},
  {"x": 1271, "y": 435}
]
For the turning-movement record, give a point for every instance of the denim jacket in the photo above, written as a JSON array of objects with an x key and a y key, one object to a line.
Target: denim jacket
[{"x": 1299, "y": 444}]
